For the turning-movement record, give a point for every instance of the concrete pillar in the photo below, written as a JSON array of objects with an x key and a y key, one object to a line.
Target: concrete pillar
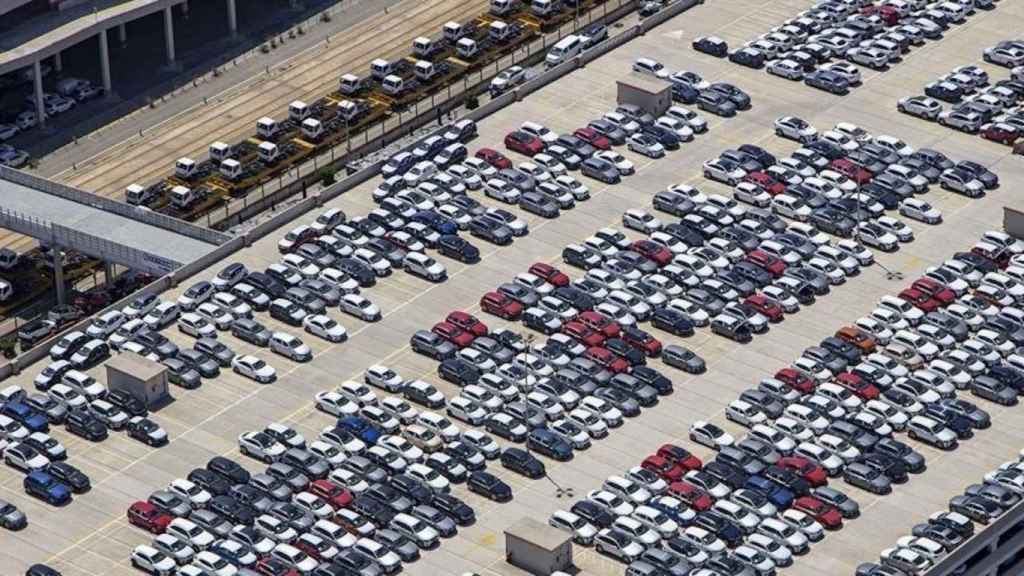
[
  {"x": 58, "y": 273},
  {"x": 169, "y": 34},
  {"x": 122, "y": 33},
  {"x": 232, "y": 18},
  {"x": 37, "y": 79},
  {"x": 58, "y": 63},
  {"x": 105, "y": 63},
  {"x": 108, "y": 273}
]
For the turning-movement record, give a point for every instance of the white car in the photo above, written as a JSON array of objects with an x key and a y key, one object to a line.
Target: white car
[
  {"x": 640, "y": 220},
  {"x": 624, "y": 166},
  {"x": 710, "y": 435},
  {"x": 152, "y": 561},
  {"x": 716, "y": 169},
  {"x": 290, "y": 347},
  {"x": 323, "y": 326},
  {"x": 786, "y": 68},
  {"x": 650, "y": 67},
  {"x": 678, "y": 127},
  {"x": 253, "y": 368}
]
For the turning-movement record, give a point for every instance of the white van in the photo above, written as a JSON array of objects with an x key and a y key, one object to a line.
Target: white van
[
  {"x": 566, "y": 49},
  {"x": 954, "y": 12}
]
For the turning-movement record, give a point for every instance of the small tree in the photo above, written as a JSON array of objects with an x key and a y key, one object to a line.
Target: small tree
[{"x": 327, "y": 177}]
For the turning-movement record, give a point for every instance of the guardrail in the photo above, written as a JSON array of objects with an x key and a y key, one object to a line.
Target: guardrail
[
  {"x": 985, "y": 552},
  {"x": 54, "y": 234},
  {"x": 113, "y": 206},
  {"x": 238, "y": 242}
]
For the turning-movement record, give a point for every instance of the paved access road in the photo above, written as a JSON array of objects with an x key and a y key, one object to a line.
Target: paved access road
[{"x": 91, "y": 537}]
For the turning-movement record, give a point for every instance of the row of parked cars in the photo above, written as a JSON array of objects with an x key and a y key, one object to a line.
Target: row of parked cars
[
  {"x": 835, "y": 412},
  {"x": 823, "y": 45},
  {"x": 978, "y": 105},
  {"x": 944, "y": 531}
]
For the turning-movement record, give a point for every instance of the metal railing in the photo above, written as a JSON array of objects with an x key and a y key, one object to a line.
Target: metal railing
[{"x": 113, "y": 206}]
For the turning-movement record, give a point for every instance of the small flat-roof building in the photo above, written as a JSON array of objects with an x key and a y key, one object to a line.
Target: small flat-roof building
[{"x": 537, "y": 548}]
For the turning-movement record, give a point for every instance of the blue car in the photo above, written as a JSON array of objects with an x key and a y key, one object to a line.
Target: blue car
[
  {"x": 361, "y": 428},
  {"x": 28, "y": 417},
  {"x": 546, "y": 442},
  {"x": 438, "y": 222},
  {"x": 47, "y": 488},
  {"x": 781, "y": 497}
]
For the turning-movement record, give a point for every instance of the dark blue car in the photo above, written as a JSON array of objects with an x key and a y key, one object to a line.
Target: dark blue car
[
  {"x": 1008, "y": 376},
  {"x": 544, "y": 441},
  {"x": 47, "y": 488},
  {"x": 458, "y": 248},
  {"x": 777, "y": 495},
  {"x": 438, "y": 222},
  {"x": 28, "y": 417},
  {"x": 361, "y": 428},
  {"x": 684, "y": 93}
]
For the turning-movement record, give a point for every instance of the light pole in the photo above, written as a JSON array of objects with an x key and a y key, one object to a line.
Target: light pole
[{"x": 529, "y": 339}]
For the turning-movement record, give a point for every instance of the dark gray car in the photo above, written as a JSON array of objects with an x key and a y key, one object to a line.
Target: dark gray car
[
  {"x": 816, "y": 280},
  {"x": 825, "y": 357},
  {"x": 494, "y": 349},
  {"x": 768, "y": 404},
  {"x": 212, "y": 522},
  {"x": 182, "y": 374},
  {"x": 296, "y": 517},
  {"x": 217, "y": 350},
  {"x": 310, "y": 464},
  {"x": 867, "y": 478},
  {"x": 10, "y": 517},
  {"x": 519, "y": 293},
  {"x": 290, "y": 475},
  {"x": 170, "y": 503},
  {"x": 205, "y": 365},
  {"x": 271, "y": 487},
  {"x": 847, "y": 506},
  {"x": 251, "y": 331},
  {"x": 683, "y": 358},
  {"x": 326, "y": 291}
]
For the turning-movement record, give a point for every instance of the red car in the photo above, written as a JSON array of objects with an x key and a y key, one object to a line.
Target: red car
[
  {"x": 453, "y": 334},
  {"x": 642, "y": 340},
  {"x": 680, "y": 457},
  {"x": 825, "y": 514},
  {"x": 695, "y": 497},
  {"x": 582, "y": 333},
  {"x": 494, "y": 158},
  {"x": 467, "y": 322},
  {"x": 500, "y": 305},
  {"x": 765, "y": 307},
  {"x": 767, "y": 262},
  {"x": 935, "y": 289},
  {"x": 923, "y": 301},
  {"x": 600, "y": 322},
  {"x": 889, "y": 14},
  {"x": 653, "y": 251},
  {"x": 796, "y": 380},
  {"x": 148, "y": 517},
  {"x": 814, "y": 474},
  {"x": 850, "y": 170},
  {"x": 333, "y": 494},
  {"x": 528, "y": 144},
  {"x": 765, "y": 181},
  {"x": 999, "y": 257},
  {"x": 593, "y": 137},
  {"x": 665, "y": 469},
  {"x": 860, "y": 387},
  {"x": 1001, "y": 133},
  {"x": 549, "y": 274},
  {"x": 607, "y": 359}
]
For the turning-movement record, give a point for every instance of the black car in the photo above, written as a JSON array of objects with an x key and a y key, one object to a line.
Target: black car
[
  {"x": 750, "y": 57},
  {"x": 84, "y": 424},
  {"x": 720, "y": 526},
  {"x": 711, "y": 45},
  {"x": 986, "y": 176},
  {"x": 458, "y": 248},
  {"x": 212, "y": 482},
  {"x": 738, "y": 97},
  {"x": 667, "y": 138},
  {"x": 232, "y": 509},
  {"x": 684, "y": 93},
  {"x": 576, "y": 145},
  {"x": 522, "y": 462},
  {"x": 828, "y": 81},
  {"x": 228, "y": 469},
  {"x": 126, "y": 402},
  {"x": 412, "y": 488},
  {"x": 892, "y": 467},
  {"x": 458, "y": 371},
  {"x": 143, "y": 429},
  {"x": 762, "y": 156},
  {"x": 672, "y": 321},
  {"x": 726, "y": 473},
  {"x": 359, "y": 272},
  {"x": 456, "y": 509},
  {"x": 592, "y": 513},
  {"x": 653, "y": 378},
  {"x": 547, "y": 443},
  {"x": 70, "y": 475}
]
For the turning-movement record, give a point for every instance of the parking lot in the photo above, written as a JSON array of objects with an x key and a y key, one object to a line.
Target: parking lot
[{"x": 91, "y": 537}]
